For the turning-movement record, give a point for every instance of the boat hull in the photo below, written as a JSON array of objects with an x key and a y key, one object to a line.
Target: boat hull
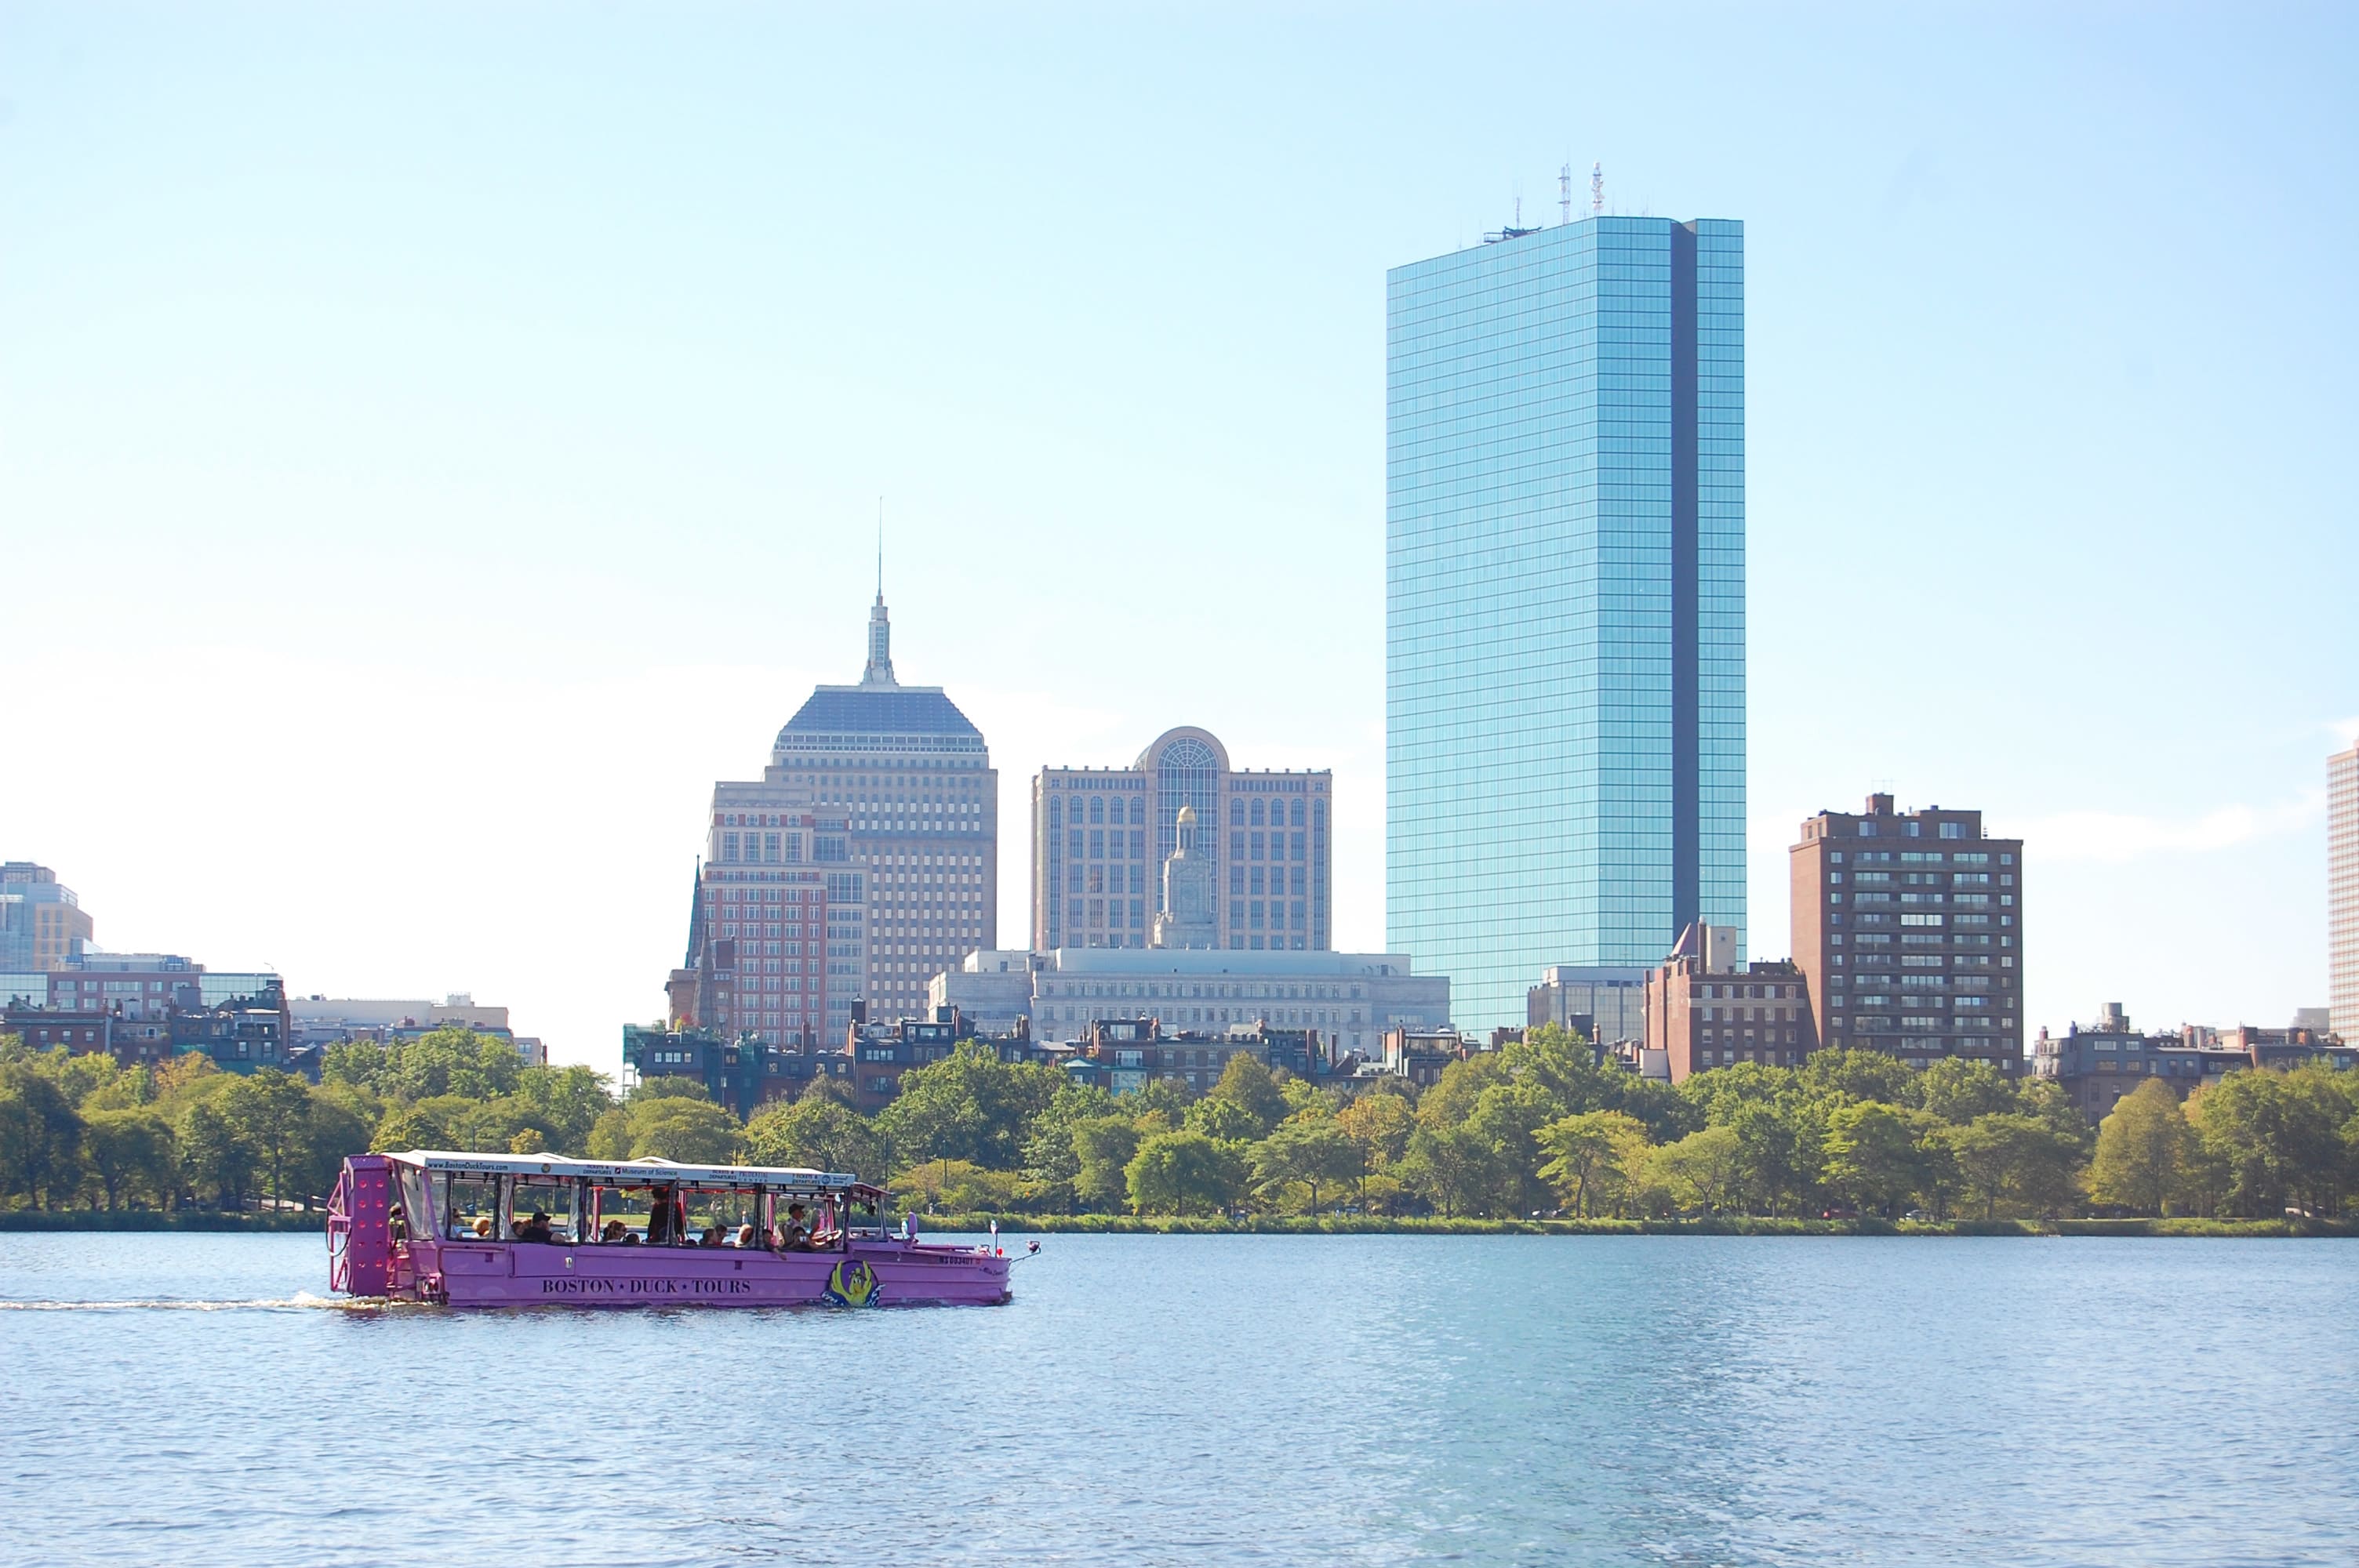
[{"x": 871, "y": 1274}]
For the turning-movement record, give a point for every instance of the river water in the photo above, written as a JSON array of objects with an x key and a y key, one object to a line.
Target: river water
[{"x": 190, "y": 1399}]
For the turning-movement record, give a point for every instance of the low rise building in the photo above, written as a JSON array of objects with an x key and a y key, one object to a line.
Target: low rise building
[
  {"x": 2100, "y": 1065},
  {"x": 1124, "y": 1055},
  {"x": 1705, "y": 1010},
  {"x": 744, "y": 1072},
  {"x": 1606, "y": 1004},
  {"x": 316, "y": 1023},
  {"x": 1350, "y": 998},
  {"x": 1420, "y": 1056},
  {"x": 143, "y": 1008}
]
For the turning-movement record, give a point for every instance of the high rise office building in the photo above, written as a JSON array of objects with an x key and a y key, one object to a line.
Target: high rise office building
[
  {"x": 1564, "y": 601},
  {"x": 42, "y": 925},
  {"x": 2342, "y": 893},
  {"x": 864, "y": 861},
  {"x": 1101, "y": 837}
]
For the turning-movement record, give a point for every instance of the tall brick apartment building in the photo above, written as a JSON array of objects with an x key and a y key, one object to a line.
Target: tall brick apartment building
[{"x": 1909, "y": 927}]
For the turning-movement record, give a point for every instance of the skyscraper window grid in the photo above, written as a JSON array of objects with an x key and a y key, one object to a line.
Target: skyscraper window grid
[{"x": 1565, "y": 706}]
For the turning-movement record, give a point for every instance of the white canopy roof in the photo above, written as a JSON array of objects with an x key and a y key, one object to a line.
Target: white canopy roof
[{"x": 630, "y": 1172}]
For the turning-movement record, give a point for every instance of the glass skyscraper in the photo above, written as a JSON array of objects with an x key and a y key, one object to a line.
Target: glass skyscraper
[{"x": 1564, "y": 601}]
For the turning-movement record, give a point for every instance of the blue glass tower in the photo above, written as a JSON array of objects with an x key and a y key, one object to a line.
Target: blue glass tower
[{"x": 1564, "y": 601}]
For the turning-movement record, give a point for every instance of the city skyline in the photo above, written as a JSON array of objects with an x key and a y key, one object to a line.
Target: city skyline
[{"x": 409, "y": 457}]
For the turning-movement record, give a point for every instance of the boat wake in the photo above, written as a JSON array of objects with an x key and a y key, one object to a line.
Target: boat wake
[{"x": 301, "y": 1301}]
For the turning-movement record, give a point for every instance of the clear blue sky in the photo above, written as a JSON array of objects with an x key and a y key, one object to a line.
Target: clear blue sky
[{"x": 436, "y": 443}]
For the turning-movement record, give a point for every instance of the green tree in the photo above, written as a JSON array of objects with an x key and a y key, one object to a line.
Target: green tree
[
  {"x": 40, "y": 1135},
  {"x": 1050, "y": 1159},
  {"x": 1699, "y": 1171},
  {"x": 693, "y": 1132},
  {"x": 563, "y": 1103},
  {"x": 1451, "y": 1168},
  {"x": 1247, "y": 1085},
  {"x": 1858, "y": 1075},
  {"x": 2014, "y": 1160},
  {"x": 1591, "y": 1156},
  {"x": 214, "y": 1155},
  {"x": 130, "y": 1152},
  {"x": 271, "y": 1113},
  {"x": 1958, "y": 1089},
  {"x": 1224, "y": 1120},
  {"x": 1780, "y": 1149},
  {"x": 1874, "y": 1156},
  {"x": 1103, "y": 1148},
  {"x": 1183, "y": 1173},
  {"x": 816, "y": 1132},
  {"x": 1378, "y": 1123},
  {"x": 2142, "y": 1151},
  {"x": 1313, "y": 1152},
  {"x": 1507, "y": 1116},
  {"x": 968, "y": 1106},
  {"x": 610, "y": 1136}
]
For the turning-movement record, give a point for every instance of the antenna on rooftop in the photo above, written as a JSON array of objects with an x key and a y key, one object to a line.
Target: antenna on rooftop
[
  {"x": 1564, "y": 190},
  {"x": 1597, "y": 188},
  {"x": 880, "y": 549}
]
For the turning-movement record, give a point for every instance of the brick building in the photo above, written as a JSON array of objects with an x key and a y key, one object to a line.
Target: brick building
[
  {"x": 1907, "y": 928},
  {"x": 1705, "y": 1010}
]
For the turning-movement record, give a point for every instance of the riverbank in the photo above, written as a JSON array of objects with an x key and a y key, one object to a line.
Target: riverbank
[
  {"x": 1734, "y": 1225},
  {"x": 1331, "y": 1225},
  {"x": 151, "y": 1220}
]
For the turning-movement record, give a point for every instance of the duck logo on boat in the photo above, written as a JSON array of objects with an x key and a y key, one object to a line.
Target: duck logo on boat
[{"x": 852, "y": 1283}]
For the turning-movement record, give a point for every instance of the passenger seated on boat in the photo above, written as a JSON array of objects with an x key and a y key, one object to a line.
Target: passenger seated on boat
[
  {"x": 483, "y": 1227},
  {"x": 795, "y": 1235},
  {"x": 535, "y": 1229},
  {"x": 711, "y": 1237},
  {"x": 744, "y": 1236},
  {"x": 614, "y": 1231}
]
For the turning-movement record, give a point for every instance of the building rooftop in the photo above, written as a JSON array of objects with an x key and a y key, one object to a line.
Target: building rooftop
[
  {"x": 837, "y": 716},
  {"x": 1222, "y": 961}
]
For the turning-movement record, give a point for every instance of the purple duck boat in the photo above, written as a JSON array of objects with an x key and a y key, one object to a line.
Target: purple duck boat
[{"x": 463, "y": 1229}]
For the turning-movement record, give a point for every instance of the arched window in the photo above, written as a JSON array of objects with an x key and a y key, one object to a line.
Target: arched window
[
  {"x": 1298, "y": 811},
  {"x": 1236, "y": 811},
  {"x": 1056, "y": 811},
  {"x": 1097, "y": 808},
  {"x": 1187, "y": 773},
  {"x": 1318, "y": 814},
  {"x": 1257, "y": 811}
]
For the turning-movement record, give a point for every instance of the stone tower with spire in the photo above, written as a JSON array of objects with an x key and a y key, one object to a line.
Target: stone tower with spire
[{"x": 1189, "y": 917}]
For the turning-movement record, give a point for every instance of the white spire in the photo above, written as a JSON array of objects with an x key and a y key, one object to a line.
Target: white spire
[{"x": 880, "y": 629}]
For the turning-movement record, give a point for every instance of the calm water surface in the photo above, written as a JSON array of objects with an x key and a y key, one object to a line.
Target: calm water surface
[{"x": 1212, "y": 1400}]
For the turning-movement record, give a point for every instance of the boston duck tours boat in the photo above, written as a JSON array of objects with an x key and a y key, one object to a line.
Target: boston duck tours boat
[{"x": 503, "y": 1230}]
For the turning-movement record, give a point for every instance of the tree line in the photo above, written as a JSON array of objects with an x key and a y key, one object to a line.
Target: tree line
[{"x": 1537, "y": 1126}]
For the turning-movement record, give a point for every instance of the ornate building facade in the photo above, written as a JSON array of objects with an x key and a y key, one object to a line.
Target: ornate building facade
[
  {"x": 1100, "y": 838},
  {"x": 864, "y": 860}
]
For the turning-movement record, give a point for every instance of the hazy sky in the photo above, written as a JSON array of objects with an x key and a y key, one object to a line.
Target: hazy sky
[{"x": 436, "y": 444}]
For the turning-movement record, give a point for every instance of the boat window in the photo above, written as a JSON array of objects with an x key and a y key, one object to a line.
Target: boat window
[
  {"x": 469, "y": 1201},
  {"x": 413, "y": 1198},
  {"x": 551, "y": 1196}
]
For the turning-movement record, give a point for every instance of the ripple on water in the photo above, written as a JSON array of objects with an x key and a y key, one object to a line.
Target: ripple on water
[{"x": 1210, "y": 1400}]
